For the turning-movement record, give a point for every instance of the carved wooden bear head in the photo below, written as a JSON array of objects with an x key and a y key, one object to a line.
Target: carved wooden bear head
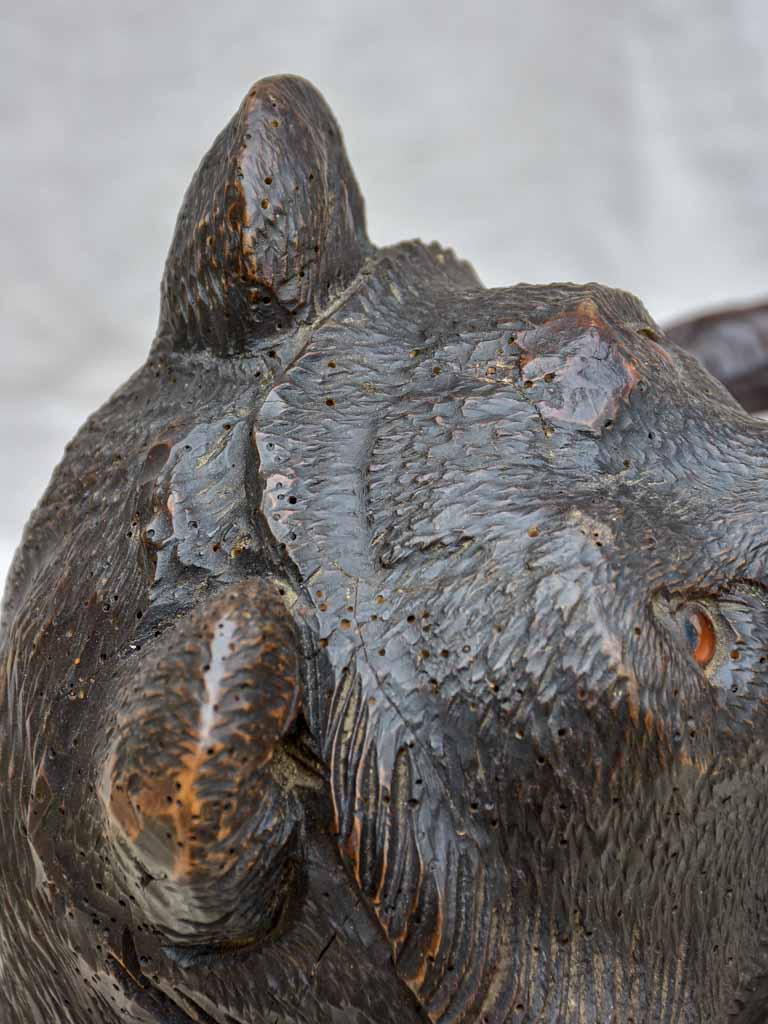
[{"x": 388, "y": 649}]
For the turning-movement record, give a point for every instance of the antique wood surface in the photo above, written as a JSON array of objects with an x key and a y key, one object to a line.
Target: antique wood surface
[
  {"x": 388, "y": 649},
  {"x": 733, "y": 345}
]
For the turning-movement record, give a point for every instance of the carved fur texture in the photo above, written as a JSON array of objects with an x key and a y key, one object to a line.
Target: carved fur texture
[{"x": 388, "y": 649}]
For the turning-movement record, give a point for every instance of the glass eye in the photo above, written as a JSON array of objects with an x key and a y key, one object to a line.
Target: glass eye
[{"x": 700, "y": 635}]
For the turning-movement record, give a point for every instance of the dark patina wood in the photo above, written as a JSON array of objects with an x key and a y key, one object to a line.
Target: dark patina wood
[
  {"x": 388, "y": 649},
  {"x": 733, "y": 345}
]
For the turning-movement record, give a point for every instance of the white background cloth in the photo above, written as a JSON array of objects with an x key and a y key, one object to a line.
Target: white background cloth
[{"x": 601, "y": 140}]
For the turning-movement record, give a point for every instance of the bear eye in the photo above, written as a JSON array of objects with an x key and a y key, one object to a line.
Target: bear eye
[{"x": 700, "y": 635}]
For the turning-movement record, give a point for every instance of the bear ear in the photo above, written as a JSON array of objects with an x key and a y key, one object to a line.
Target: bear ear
[
  {"x": 732, "y": 343},
  {"x": 271, "y": 228}
]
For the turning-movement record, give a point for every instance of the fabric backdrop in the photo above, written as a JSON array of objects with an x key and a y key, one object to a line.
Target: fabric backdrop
[{"x": 601, "y": 140}]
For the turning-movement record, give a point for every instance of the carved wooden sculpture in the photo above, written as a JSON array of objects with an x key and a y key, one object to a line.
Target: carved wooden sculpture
[{"x": 388, "y": 649}]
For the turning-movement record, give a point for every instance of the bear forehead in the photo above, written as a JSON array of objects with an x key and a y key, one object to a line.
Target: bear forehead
[{"x": 387, "y": 436}]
